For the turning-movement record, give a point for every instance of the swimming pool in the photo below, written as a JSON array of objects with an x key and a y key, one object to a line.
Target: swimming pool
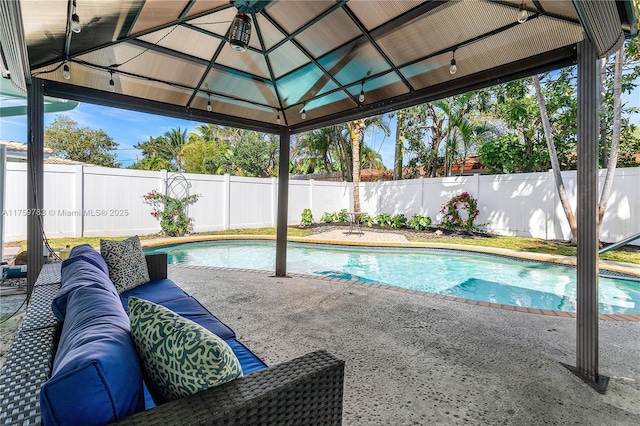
[{"x": 481, "y": 277}]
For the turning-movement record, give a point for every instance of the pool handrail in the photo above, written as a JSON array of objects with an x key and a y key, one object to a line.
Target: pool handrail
[{"x": 619, "y": 244}]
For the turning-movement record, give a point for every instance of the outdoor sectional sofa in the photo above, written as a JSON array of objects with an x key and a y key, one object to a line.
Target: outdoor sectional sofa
[{"x": 85, "y": 370}]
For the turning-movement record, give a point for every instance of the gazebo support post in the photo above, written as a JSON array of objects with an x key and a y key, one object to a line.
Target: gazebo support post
[
  {"x": 283, "y": 203},
  {"x": 587, "y": 204},
  {"x": 35, "y": 181}
]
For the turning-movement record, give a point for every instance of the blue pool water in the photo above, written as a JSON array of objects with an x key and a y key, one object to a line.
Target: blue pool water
[{"x": 462, "y": 274}]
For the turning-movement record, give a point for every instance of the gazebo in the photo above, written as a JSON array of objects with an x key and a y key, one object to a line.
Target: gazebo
[{"x": 285, "y": 67}]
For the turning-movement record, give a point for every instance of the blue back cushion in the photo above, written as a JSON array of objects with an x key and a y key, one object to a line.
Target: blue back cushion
[{"x": 96, "y": 377}]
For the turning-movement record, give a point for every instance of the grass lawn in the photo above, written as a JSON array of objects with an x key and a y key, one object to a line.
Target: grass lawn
[{"x": 534, "y": 245}]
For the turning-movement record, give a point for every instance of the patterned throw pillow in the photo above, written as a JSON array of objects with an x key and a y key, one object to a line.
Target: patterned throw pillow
[
  {"x": 126, "y": 263},
  {"x": 179, "y": 357}
]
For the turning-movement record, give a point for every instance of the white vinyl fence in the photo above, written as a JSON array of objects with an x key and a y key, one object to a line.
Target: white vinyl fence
[{"x": 98, "y": 201}]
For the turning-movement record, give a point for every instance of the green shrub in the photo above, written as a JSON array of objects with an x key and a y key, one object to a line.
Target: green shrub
[
  {"x": 419, "y": 222},
  {"x": 341, "y": 216},
  {"x": 398, "y": 221},
  {"x": 383, "y": 219},
  {"x": 367, "y": 219},
  {"x": 327, "y": 218},
  {"x": 307, "y": 218}
]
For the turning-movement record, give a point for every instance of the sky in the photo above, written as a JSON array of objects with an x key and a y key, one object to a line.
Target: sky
[{"x": 128, "y": 128}]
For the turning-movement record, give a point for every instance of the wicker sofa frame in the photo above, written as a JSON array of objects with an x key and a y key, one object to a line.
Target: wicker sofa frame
[{"x": 304, "y": 391}]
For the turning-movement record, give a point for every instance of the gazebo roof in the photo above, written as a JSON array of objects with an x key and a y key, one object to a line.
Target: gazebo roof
[{"x": 173, "y": 57}]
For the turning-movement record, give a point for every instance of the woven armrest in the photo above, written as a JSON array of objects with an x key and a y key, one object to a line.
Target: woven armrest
[
  {"x": 157, "y": 265},
  {"x": 304, "y": 391}
]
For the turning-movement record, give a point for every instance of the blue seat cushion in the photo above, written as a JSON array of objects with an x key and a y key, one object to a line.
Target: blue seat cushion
[
  {"x": 190, "y": 308},
  {"x": 89, "y": 254},
  {"x": 249, "y": 362},
  {"x": 96, "y": 377},
  {"x": 81, "y": 270},
  {"x": 158, "y": 291}
]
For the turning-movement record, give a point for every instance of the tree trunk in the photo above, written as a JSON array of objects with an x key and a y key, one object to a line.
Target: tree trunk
[
  {"x": 555, "y": 165},
  {"x": 603, "y": 105},
  {"x": 397, "y": 163},
  {"x": 355, "y": 130},
  {"x": 615, "y": 138}
]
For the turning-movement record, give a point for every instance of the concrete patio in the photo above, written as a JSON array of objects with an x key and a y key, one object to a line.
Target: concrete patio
[{"x": 412, "y": 359}]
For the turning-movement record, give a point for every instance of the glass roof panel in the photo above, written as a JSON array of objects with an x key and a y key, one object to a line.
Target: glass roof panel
[
  {"x": 222, "y": 105},
  {"x": 292, "y": 15},
  {"x": 251, "y": 62},
  {"x": 353, "y": 62},
  {"x": 270, "y": 34},
  {"x": 156, "y": 13},
  {"x": 379, "y": 88},
  {"x": 202, "y": 6},
  {"x": 433, "y": 33},
  {"x": 146, "y": 63},
  {"x": 287, "y": 58},
  {"x": 240, "y": 87},
  {"x": 185, "y": 40},
  {"x": 217, "y": 23},
  {"x": 334, "y": 30},
  {"x": 304, "y": 84},
  {"x": 496, "y": 51},
  {"x": 329, "y": 104},
  {"x": 375, "y": 13}
]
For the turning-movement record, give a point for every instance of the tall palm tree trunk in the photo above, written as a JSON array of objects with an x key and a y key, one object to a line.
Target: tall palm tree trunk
[
  {"x": 356, "y": 128},
  {"x": 555, "y": 164}
]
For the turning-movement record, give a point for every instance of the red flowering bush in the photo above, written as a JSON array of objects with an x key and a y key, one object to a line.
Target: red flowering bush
[
  {"x": 451, "y": 217},
  {"x": 171, "y": 212}
]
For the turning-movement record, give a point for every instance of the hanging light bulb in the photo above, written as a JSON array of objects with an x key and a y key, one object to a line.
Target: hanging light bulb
[
  {"x": 65, "y": 72},
  {"x": 209, "y": 107},
  {"x": 361, "y": 97},
  {"x": 112, "y": 84},
  {"x": 303, "y": 115},
  {"x": 75, "y": 20},
  {"x": 523, "y": 15},
  {"x": 278, "y": 119},
  {"x": 240, "y": 32},
  {"x": 453, "y": 68}
]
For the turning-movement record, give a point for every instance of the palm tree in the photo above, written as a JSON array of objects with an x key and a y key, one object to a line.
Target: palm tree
[{"x": 176, "y": 139}]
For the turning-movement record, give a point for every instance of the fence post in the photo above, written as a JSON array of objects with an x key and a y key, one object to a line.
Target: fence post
[
  {"x": 274, "y": 202},
  {"x": 226, "y": 203},
  {"x": 421, "y": 194},
  {"x": 162, "y": 185},
  {"x": 311, "y": 184},
  {"x": 78, "y": 226}
]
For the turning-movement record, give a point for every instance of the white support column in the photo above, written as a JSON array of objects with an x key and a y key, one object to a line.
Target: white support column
[{"x": 283, "y": 203}]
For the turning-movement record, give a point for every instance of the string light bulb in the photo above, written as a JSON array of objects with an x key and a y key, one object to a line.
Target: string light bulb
[
  {"x": 361, "y": 97},
  {"x": 278, "y": 119},
  {"x": 209, "y": 107},
  {"x": 523, "y": 15},
  {"x": 303, "y": 115},
  {"x": 112, "y": 84},
  {"x": 66, "y": 73},
  {"x": 453, "y": 68},
  {"x": 75, "y": 20}
]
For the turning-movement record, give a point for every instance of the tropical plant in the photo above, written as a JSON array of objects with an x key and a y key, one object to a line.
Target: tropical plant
[
  {"x": 307, "y": 218},
  {"x": 398, "y": 221},
  {"x": 367, "y": 219},
  {"x": 383, "y": 219},
  {"x": 451, "y": 217},
  {"x": 171, "y": 212},
  {"x": 328, "y": 218},
  {"x": 419, "y": 222}
]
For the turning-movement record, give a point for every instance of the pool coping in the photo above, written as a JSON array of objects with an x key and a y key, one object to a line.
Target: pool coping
[{"x": 623, "y": 268}]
